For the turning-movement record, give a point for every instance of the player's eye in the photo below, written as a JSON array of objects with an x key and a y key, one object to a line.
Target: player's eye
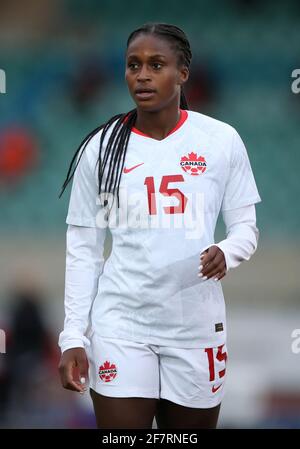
[
  {"x": 157, "y": 65},
  {"x": 132, "y": 65}
]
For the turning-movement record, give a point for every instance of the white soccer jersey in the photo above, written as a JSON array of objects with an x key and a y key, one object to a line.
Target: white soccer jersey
[{"x": 171, "y": 193}]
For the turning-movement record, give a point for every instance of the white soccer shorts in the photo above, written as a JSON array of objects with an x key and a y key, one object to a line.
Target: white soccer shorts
[{"x": 189, "y": 377}]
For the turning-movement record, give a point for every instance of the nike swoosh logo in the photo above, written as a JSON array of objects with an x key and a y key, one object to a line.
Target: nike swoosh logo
[
  {"x": 127, "y": 170},
  {"x": 214, "y": 389}
]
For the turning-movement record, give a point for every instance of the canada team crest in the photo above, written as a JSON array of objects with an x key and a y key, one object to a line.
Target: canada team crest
[
  {"x": 193, "y": 164},
  {"x": 107, "y": 371}
]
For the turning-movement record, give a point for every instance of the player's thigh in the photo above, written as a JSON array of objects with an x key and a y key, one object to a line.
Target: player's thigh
[
  {"x": 174, "y": 416},
  {"x": 123, "y": 413}
]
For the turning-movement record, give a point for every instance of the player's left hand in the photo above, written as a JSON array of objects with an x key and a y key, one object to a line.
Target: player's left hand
[{"x": 212, "y": 264}]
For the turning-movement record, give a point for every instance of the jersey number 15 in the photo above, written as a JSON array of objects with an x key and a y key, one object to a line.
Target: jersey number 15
[{"x": 164, "y": 190}]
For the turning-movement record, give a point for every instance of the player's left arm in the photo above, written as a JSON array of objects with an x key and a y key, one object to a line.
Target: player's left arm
[{"x": 240, "y": 243}]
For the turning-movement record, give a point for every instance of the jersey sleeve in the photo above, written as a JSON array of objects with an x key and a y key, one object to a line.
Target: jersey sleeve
[
  {"x": 240, "y": 189},
  {"x": 84, "y": 205},
  {"x": 84, "y": 266}
]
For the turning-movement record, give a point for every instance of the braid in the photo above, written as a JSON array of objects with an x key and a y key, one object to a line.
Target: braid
[
  {"x": 129, "y": 125},
  {"x": 117, "y": 144},
  {"x": 183, "y": 100},
  {"x": 116, "y": 148},
  {"x": 83, "y": 146}
]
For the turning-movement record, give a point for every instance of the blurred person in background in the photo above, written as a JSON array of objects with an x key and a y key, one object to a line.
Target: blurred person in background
[
  {"x": 30, "y": 356},
  {"x": 89, "y": 82},
  {"x": 144, "y": 327},
  {"x": 202, "y": 88}
]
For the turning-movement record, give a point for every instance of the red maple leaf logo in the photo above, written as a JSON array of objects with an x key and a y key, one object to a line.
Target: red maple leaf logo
[
  {"x": 193, "y": 164},
  {"x": 107, "y": 371}
]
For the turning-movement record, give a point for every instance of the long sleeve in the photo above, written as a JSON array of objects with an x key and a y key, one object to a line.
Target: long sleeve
[
  {"x": 238, "y": 207},
  {"x": 84, "y": 265},
  {"x": 241, "y": 235}
]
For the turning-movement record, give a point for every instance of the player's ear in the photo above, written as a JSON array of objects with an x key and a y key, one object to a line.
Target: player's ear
[{"x": 183, "y": 74}]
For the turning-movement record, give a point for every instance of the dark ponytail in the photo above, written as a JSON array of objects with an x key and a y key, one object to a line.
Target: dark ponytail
[
  {"x": 183, "y": 100},
  {"x": 116, "y": 147}
]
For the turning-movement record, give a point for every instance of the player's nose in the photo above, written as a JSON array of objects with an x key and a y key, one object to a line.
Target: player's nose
[{"x": 143, "y": 73}]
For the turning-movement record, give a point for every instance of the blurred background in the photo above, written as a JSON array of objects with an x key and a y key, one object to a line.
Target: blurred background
[{"x": 64, "y": 67}]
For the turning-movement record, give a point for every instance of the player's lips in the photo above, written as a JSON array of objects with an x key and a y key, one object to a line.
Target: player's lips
[{"x": 144, "y": 93}]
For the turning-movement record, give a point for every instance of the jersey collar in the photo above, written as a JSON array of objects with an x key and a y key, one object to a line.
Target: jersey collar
[{"x": 181, "y": 121}]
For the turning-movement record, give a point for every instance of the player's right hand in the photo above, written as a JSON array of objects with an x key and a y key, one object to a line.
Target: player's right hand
[{"x": 73, "y": 359}]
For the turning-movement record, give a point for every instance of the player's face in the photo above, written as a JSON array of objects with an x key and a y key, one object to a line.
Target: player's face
[{"x": 152, "y": 72}]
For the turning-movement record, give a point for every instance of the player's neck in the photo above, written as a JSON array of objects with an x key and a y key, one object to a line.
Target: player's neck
[{"x": 158, "y": 124}]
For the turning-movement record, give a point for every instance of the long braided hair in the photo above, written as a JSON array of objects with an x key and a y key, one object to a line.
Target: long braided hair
[{"x": 118, "y": 140}]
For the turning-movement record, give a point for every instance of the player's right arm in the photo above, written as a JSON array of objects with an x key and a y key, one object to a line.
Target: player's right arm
[{"x": 84, "y": 264}]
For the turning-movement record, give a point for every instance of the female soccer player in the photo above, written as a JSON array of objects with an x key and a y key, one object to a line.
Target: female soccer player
[{"x": 146, "y": 326}]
